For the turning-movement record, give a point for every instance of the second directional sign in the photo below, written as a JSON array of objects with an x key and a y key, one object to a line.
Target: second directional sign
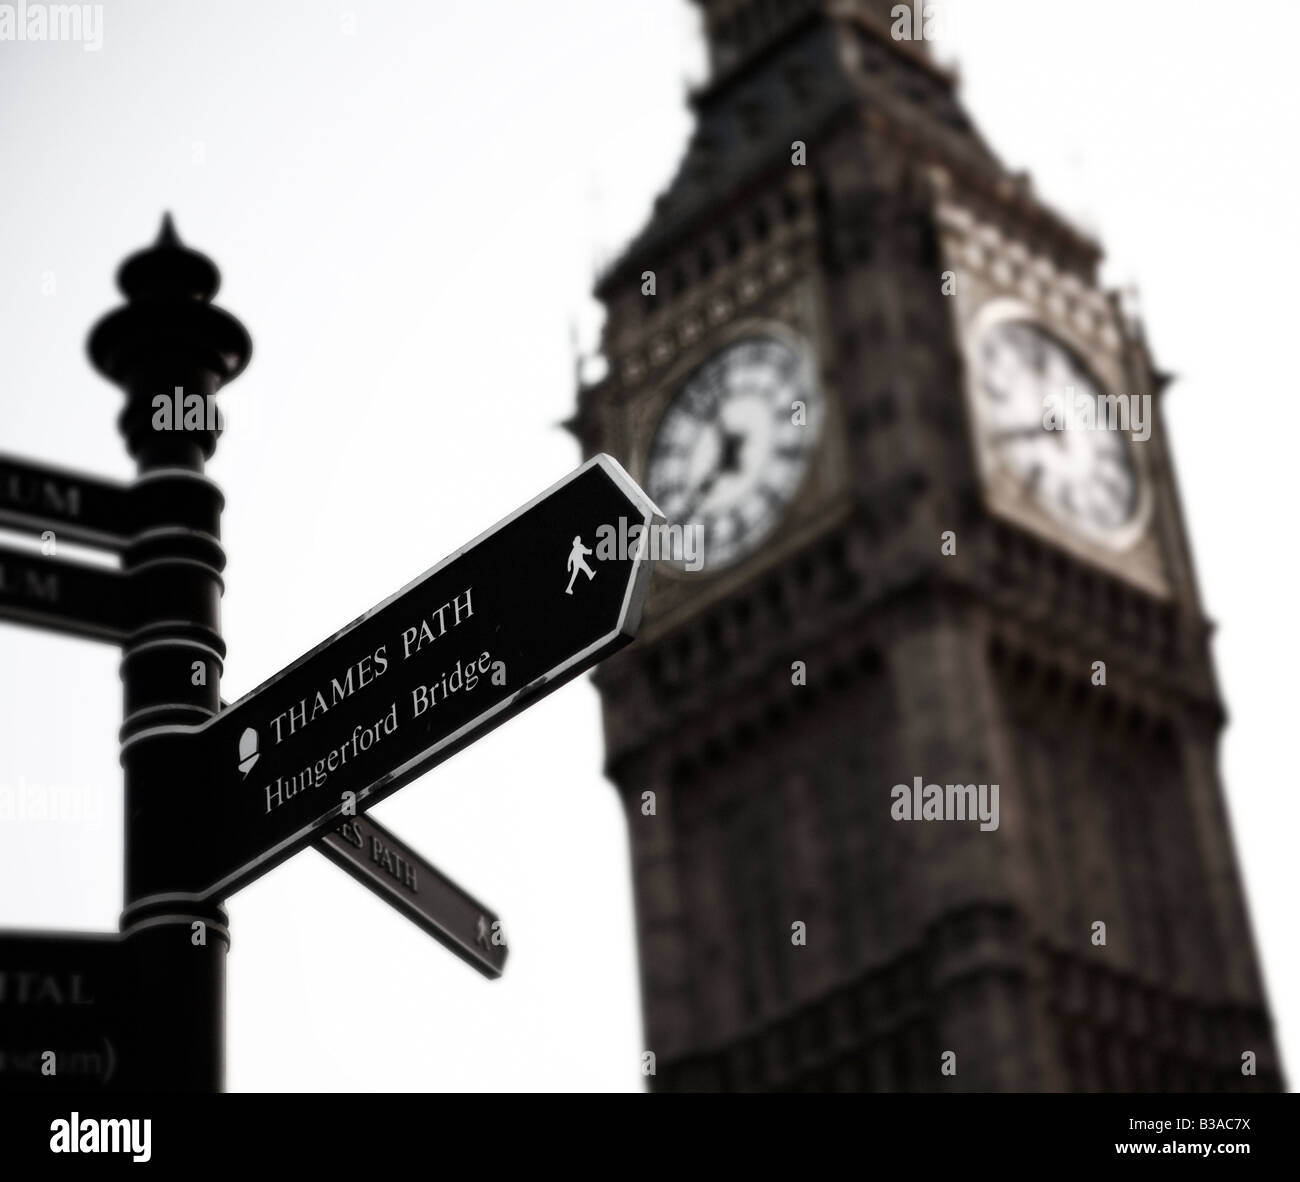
[
  {"x": 426, "y": 896},
  {"x": 72, "y": 597},
  {"x": 530, "y": 604}
]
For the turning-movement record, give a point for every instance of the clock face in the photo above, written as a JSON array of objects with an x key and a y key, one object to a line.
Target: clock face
[
  {"x": 732, "y": 449},
  {"x": 1085, "y": 478}
]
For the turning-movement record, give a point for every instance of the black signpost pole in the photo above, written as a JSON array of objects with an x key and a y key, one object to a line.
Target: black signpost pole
[
  {"x": 171, "y": 349},
  {"x": 477, "y": 638}
]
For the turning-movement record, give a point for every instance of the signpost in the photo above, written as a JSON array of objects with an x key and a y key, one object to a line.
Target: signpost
[
  {"x": 426, "y": 896},
  {"x": 216, "y": 797},
  {"x": 470, "y": 643}
]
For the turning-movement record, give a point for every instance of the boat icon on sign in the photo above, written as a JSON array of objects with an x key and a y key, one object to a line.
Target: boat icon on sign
[{"x": 247, "y": 751}]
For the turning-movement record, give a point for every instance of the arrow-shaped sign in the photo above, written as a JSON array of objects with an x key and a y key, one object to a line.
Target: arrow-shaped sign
[
  {"x": 421, "y": 892},
  {"x": 71, "y": 597},
  {"x": 527, "y": 606}
]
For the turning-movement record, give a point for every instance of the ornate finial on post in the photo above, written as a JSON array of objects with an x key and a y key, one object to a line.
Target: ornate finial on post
[
  {"x": 167, "y": 236},
  {"x": 169, "y": 335}
]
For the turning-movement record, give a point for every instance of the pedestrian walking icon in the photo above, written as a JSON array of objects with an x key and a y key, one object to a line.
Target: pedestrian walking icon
[{"x": 578, "y": 562}]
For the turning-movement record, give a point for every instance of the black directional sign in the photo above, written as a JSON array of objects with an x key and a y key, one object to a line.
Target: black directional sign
[
  {"x": 81, "y": 508},
  {"x": 532, "y": 603},
  {"x": 63, "y": 1012},
  {"x": 395, "y": 872},
  {"x": 72, "y": 597},
  {"x": 380, "y": 860}
]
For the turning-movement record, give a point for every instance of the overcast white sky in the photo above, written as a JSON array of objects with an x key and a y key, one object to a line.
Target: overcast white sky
[{"x": 406, "y": 216}]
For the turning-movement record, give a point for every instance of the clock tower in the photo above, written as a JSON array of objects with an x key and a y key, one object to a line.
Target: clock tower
[{"x": 919, "y": 760}]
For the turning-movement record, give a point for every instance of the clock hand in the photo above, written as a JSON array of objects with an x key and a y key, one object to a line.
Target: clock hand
[
  {"x": 731, "y": 445},
  {"x": 705, "y": 487},
  {"x": 702, "y": 491},
  {"x": 728, "y": 461}
]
